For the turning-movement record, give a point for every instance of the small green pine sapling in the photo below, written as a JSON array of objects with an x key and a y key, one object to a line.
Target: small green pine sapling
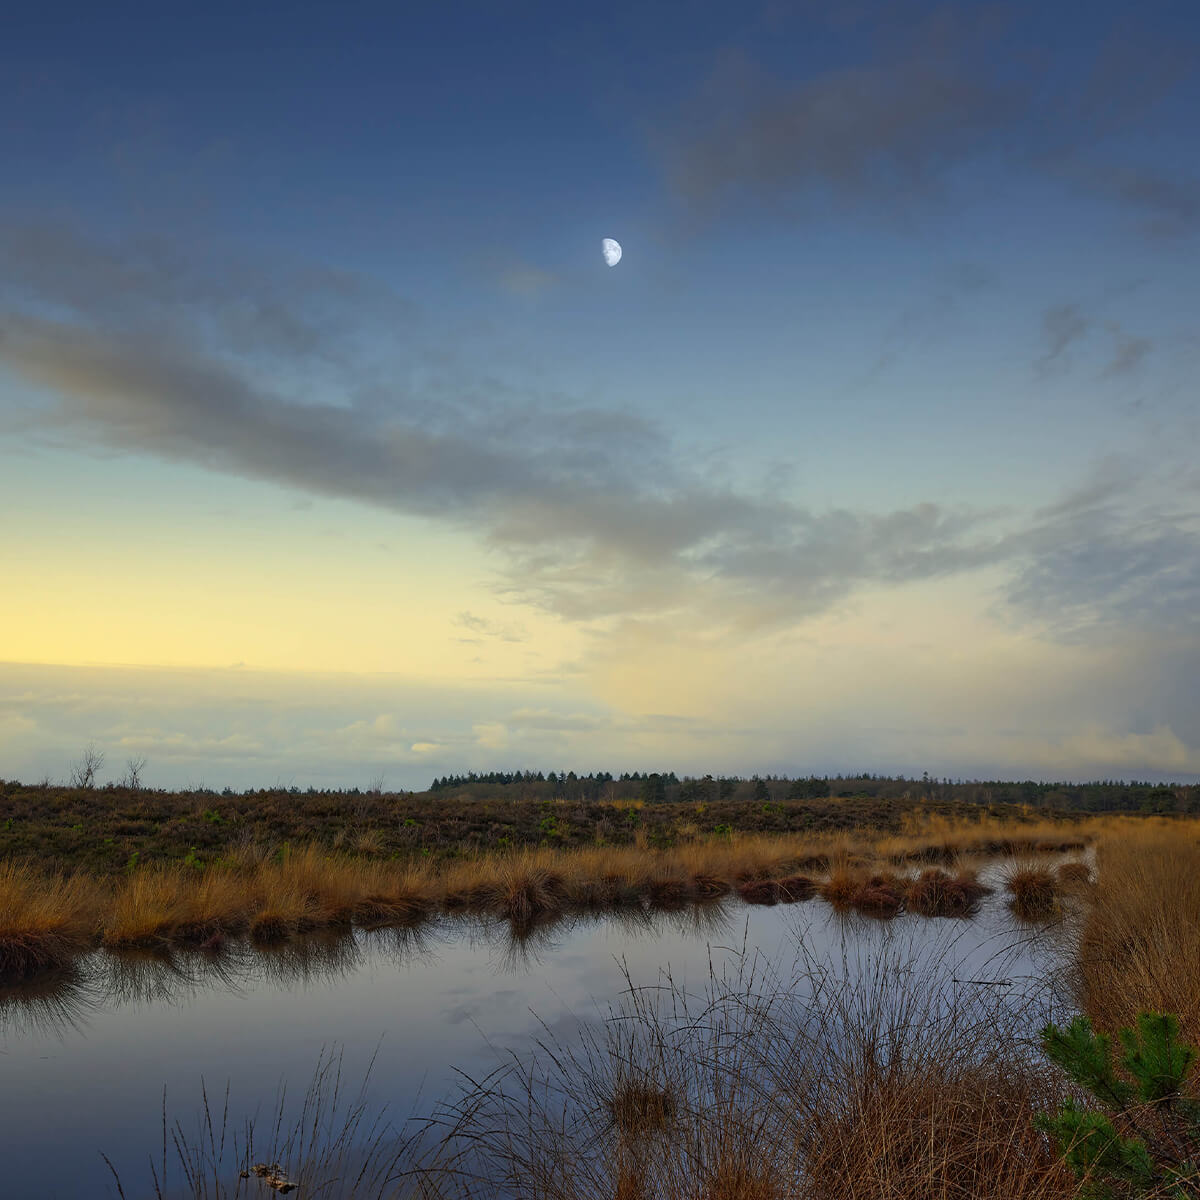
[{"x": 1146, "y": 1142}]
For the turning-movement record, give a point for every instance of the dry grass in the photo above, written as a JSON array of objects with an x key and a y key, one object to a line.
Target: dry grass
[
  {"x": 43, "y": 922},
  {"x": 640, "y": 1107},
  {"x": 145, "y": 909},
  {"x": 1139, "y": 940},
  {"x": 275, "y": 897},
  {"x": 840, "y": 888},
  {"x": 880, "y": 895},
  {"x": 1034, "y": 891},
  {"x": 795, "y": 888},
  {"x": 1074, "y": 875},
  {"x": 934, "y": 1130},
  {"x": 823, "y": 1086},
  {"x": 760, "y": 891},
  {"x": 937, "y": 893}
]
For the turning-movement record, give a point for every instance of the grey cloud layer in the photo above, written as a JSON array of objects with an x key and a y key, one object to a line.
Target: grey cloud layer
[
  {"x": 938, "y": 88},
  {"x": 589, "y": 511}
]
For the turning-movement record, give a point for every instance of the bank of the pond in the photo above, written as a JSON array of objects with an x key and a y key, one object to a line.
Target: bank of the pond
[
  {"x": 93, "y": 1052},
  {"x": 272, "y": 897}
]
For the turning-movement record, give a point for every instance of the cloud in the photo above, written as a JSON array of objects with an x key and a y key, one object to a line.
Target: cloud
[
  {"x": 493, "y": 629},
  {"x": 589, "y": 508},
  {"x": 589, "y": 513},
  {"x": 1097, "y": 571},
  {"x": 1062, "y": 326},
  {"x": 876, "y": 133},
  {"x": 1065, "y": 326},
  {"x": 901, "y": 103},
  {"x": 526, "y": 280},
  {"x": 1129, "y": 354},
  {"x": 1169, "y": 204}
]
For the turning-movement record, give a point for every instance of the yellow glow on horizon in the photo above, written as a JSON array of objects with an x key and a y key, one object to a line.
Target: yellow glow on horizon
[{"x": 321, "y": 603}]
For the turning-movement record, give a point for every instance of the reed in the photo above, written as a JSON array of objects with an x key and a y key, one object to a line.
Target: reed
[
  {"x": 44, "y": 922},
  {"x": 146, "y": 908},
  {"x": 937, "y": 893},
  {"x": 1034, "y": 891},
  {"x": 1139, "y": 938},
  {"x": 819, "y": 1086},
  {"x": 275, "y": 895}
]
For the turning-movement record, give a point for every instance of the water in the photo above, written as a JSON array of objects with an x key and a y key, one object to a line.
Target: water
[{"x": 84, "y": 1059}]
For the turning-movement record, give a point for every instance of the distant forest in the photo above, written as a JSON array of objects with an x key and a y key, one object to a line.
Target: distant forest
[{"x": 661, "y": 787}]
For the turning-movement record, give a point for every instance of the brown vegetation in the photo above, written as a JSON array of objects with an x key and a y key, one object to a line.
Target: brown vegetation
[
  {"x": 275, "y": 896},
  {"x": 640, "y": 1107},
  {"x": 44, "y": 921},
  {"x": 937, "y": 893},
  {"x": 868, "y": 1089},
  {"x": 1139, "y": 940},
  {"x": 1035, "y": 890}
]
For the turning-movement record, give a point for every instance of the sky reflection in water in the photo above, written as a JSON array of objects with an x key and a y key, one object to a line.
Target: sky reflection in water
[{"x": 85, "y": 1054}]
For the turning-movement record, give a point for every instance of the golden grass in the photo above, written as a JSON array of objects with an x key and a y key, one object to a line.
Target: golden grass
[
  {"x": 935, "y": 1130},
  {"x": 44, "y": 921},
  {"x": 274, "y": 897},
  {"x": 937, "y": 893},
  {"x": 1034, "y": 890},
  {"x": 146, "y": 908},
  {"x": 639, "y": 1107},
  {"x": 1139, "y": 940}
]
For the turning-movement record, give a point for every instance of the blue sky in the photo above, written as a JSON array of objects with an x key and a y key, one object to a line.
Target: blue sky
[{"x": 900, "y": 360}]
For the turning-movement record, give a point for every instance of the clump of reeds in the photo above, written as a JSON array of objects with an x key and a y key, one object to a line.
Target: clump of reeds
[
  {"x": 1139, "y": 935},
  {"x": 523, "y": 890},
  {"x": 640, "y": 1107},
  {"x": 872, "y": 1085},
  {"x": 44, "y": 920},
  {"x": 1034, "y": 891},
  {"x": 1074, "y": 874},
  {"x": 879, "y": 895},
  {"x": 937, "y": 893},
  {"x": 840, "y": 888},
  {"x": 794, "y": 888},
  {"x": 760, "y": 891}
]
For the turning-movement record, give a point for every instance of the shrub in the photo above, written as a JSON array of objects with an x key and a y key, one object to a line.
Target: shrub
[{"x": 1144, "y": 1140}]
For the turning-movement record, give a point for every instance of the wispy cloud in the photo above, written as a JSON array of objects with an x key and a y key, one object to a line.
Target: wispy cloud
[
  {"x": 915, "y": 93},
  {"x": 591, "y": 512}
]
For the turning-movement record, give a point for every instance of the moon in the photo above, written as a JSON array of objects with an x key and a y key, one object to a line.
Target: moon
[{"x": 611, "y": 249}]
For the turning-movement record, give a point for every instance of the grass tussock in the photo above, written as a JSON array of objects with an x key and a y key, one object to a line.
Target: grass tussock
[
  {"x": 880, "y": 895},
  {"x": 840, "y": 888},
  {"x": 794, "y": 888},
  {"x": 933, "y": 1129},
  {"x": 760, "y": 891},
  {"x": 1139, "y": 938},
  {"x": 43, "y": 923},
  {"x": 640, "y": 1108},
  {"x": 1034, "y": 891},
  {"x": 937, "y": 893},
  {"x": 840, "y": 1083}
]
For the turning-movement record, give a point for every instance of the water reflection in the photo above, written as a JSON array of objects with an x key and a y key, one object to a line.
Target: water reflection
[
  {"x": 53, "y": 1002},
  {"x": 58, "y": 1002},
  {"x": 94, "y": 1046}
]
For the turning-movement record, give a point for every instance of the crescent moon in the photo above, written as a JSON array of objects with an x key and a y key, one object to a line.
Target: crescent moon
[{"x": 611, "y": 249}]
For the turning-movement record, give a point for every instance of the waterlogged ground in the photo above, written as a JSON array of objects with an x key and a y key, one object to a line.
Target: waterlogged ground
[{"x": 85, "y": 1058}]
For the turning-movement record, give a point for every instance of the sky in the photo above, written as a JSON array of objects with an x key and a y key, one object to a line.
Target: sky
[{"x": 332, "y": 451}]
